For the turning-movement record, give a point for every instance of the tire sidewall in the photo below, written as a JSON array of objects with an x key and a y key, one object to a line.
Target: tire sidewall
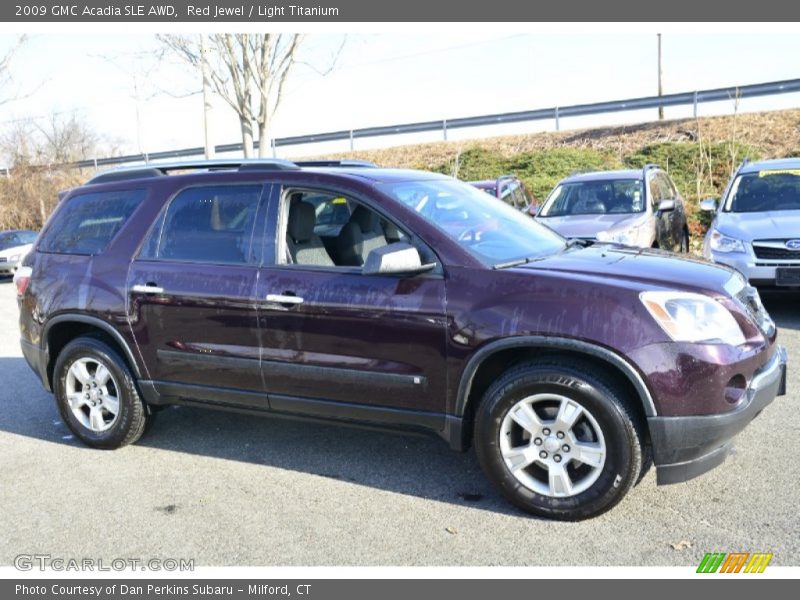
[
  {"x": 91, "y": 348},
  {"x": 619, "y": 470}
]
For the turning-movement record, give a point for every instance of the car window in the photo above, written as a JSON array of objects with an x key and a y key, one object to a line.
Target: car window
[
  {"x": 86, "y": 224},
  {"x": 765, "y": 190},
  {"x": 599, "y": 197},
  {"x": 331, "y": 230},
  {"x": 8, "y": 240},
  {"x": 655, "y": 192},
  {"x": 27, "y": 237},
  {"x": 330, "y": 209},
  {"x": 667, "y": 190},
  {"x": 211, "y": 224}
]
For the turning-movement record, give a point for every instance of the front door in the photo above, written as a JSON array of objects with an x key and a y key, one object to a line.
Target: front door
[{"x": 340, "y": 343}]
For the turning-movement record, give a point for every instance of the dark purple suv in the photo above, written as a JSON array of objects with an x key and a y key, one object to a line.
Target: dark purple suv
[{"x": 569, "y": 368}]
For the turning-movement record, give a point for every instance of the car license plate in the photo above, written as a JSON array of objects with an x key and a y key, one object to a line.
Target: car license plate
[{"x": 787, "y": 276}]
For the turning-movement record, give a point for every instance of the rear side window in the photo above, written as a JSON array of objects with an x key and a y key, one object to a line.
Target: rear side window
[
  {"x": 87, "y": 223},
  {"x": 208, "y": 224}
]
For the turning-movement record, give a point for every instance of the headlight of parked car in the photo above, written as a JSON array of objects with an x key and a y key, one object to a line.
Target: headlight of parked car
[
  {"x": 14, "y": 258},
  {"x": 723, "y": 243},
  {"x": 687, "y": 317},
  {"x": 628, "y": 237}
]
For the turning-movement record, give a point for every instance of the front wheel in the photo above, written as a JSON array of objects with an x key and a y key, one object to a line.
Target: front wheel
[{"x": 559, "y": 439}]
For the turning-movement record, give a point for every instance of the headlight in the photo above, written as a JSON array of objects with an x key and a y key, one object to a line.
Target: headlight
[
  {"x": 722, "y": 243},
  {"x": 687, "y": 317},
  {"x": 14, "y": 258},
  {"x": 628, "y": 237}
]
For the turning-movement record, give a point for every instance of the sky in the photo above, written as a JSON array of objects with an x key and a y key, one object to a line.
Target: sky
[{"x": 390, "y": 78}]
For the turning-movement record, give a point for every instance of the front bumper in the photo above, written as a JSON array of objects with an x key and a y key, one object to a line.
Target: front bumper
[
  {"x": 760, "y": 273},
  {"x": 685, "y": 447}
]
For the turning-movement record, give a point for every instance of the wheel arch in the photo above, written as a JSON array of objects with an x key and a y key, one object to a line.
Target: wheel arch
[
  {"x": 63, "y": 328},
  {"x": 490, "y": 360}
]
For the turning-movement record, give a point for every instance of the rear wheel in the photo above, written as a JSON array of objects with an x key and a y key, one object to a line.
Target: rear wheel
[
  {"x": 559, "y": 439},
  {"x": 97, "y": 396}
]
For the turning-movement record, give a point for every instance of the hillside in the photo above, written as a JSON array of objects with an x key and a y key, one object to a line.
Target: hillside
[{"x": 699, "y": 154}]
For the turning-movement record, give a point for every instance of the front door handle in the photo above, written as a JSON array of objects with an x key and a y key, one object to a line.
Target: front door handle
[
  {"x": 147, "y": 289},
  {"x": 282, "y": 299}
]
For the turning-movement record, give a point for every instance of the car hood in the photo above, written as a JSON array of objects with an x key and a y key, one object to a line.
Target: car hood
[
  {"x": 21, "y": 250},
  {"x": 639, "y": 268},
  {"x": 588, "y": 226},
  {"x": 770, "y": 225}
]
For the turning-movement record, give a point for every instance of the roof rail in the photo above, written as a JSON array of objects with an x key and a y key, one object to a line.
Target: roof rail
[
  {"x": 335, "y": 163},
  {"x": 159, "y": 169}
]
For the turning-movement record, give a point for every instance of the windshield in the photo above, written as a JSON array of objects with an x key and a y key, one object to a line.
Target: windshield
[
  {"x": 765, "y": 190},
  {"x": 490, "y": 230},
  {"x": 605, "y": 197}
]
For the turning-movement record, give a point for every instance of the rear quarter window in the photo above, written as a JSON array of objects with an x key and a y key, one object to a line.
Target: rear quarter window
[{"x": 86, "y": 223}]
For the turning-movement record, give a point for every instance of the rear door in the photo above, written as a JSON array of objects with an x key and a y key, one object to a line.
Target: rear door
[
  {"x": 192, "y": 295},
  {"x": 343, "y": 344}
]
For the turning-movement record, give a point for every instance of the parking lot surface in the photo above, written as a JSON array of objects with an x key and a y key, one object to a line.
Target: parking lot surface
[{"x": 229, "y": 489}]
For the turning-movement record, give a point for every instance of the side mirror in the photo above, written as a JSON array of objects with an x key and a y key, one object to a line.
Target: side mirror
[
  {"x": 708, "y": 205},
  {"x": 666, "y": 206},
  {"x": 399, "y": 258}
]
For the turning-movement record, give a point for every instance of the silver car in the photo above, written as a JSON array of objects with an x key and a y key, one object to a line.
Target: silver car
[
  {"x": 756, "y": 228},
  {"x": 633, "y": 207}
]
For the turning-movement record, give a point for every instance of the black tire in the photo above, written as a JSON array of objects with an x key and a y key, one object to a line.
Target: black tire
[
  {"x": 133, "y": 415},
  {"x": 599, "y": 396}
]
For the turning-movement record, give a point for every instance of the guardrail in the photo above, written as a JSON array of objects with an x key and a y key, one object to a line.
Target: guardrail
[{"x": 555, "y": 113}]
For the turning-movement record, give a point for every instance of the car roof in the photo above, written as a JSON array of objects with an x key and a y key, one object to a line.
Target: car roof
[
  {"x": 770, "y": 165},
  {"x": 605, "y": 175},
  {"x": 344, "y": 169},
  {"x": 484, "y": 184}
]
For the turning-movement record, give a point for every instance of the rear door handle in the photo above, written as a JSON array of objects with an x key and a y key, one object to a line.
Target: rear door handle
[
  {"x": 147, "y": 289},
  {"x": 281, "y": 299}
]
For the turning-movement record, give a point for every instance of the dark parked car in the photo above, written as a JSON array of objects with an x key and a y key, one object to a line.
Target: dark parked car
[
  {"x": 567, "y": 367},
  {"x": 510, "y": 190},
  {"x": 756, "y": 227},
  {"x": 636, "y": 207}
]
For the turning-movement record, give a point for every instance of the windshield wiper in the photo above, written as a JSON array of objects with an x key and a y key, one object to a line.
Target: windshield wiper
[
  {"x": 511, "y": 263},
  {"x": 572, "y": 242}
]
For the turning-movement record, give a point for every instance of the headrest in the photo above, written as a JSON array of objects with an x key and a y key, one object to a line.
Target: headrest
[
  {"x": 391, "y": 231},
  {"x": 302, "y": 219},
  {"x": 366, "y": 220}
]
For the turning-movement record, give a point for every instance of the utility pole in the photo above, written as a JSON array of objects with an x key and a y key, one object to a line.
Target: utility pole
[
  {"x": 209, "y": 147},
  {"x": 660, "y": 89}
]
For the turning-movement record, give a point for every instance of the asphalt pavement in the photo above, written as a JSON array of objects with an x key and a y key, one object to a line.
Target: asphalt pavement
[{"x": 227, "y": 489}]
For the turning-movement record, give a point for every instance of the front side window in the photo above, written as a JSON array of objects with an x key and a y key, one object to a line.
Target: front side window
[
  {"x": 595, "y": 198},
  {"x": 211, "y": 224},
  {"x": 87, "y": 223},
  {"x": 493, "y": 232},
  {"x": 764, "y": 191},
  {"x": 330, "y": 230}
]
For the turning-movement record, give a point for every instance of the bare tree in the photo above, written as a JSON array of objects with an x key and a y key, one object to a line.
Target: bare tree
[
  {"x": 58, "y": 140},
  {"x": 5, "y": 73},
  {"x": 248, "y": 71}
]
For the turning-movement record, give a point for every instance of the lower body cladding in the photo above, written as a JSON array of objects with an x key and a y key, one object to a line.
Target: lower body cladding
[{"x": 687, "y": 446}]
